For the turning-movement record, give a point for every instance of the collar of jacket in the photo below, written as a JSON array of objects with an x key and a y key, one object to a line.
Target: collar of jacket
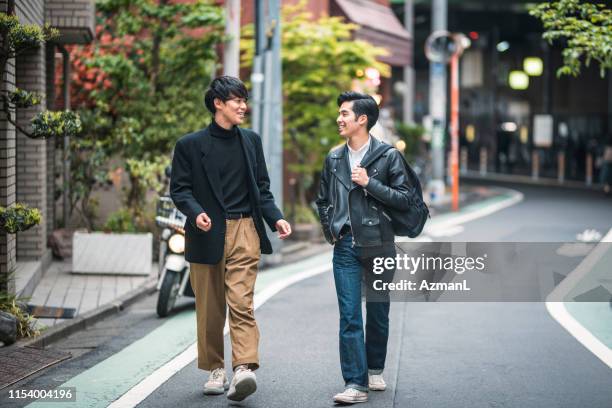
[
  {"x": 340, "y": 163},
  {"x": 212, "y": 172}
]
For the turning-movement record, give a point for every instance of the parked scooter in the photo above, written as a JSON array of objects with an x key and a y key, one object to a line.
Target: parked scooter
[{"x": 174, "y": 274}]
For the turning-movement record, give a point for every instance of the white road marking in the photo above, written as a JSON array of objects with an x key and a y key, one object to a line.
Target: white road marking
[
  {"x": 556, "y": 306},
  {"x": 447, "y": 232},
  {"x": 461, "y": 218},
  {"x": 448, "y": 224},
  {"x": 146, "y": 387}
]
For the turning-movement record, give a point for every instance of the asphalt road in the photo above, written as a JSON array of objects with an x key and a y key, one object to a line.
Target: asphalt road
[{"x": 440, "y": 354}]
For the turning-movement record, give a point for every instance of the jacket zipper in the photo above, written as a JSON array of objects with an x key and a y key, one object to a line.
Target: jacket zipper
[
  {"x": 331, "y": 222},
  {"x": 349, "y": 215}
]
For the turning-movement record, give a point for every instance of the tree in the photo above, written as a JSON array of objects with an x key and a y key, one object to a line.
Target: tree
[
  {"x": 587, "y": 29},
  {"x": 320, "y": 59},
  {"x": 17, "y": 38},
  {"x": 143, "y": 82}
]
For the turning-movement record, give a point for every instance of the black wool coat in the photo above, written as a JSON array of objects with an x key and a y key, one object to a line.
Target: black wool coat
[{"x": 195, "y": 188}]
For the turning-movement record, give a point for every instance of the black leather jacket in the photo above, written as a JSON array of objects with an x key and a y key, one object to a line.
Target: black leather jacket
[{"x": 339, "y": 197}]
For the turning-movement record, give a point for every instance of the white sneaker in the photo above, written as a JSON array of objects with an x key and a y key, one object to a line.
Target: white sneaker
[
  {"x": 243, "y": 384},
  {"x": 217, "y": 382},
  {"x": 376, "y": 382},
  {"x": 351, "y": 396}
]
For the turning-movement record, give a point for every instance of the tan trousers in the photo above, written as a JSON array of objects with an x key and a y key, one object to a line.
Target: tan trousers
[{"x": 230, "y": 283}]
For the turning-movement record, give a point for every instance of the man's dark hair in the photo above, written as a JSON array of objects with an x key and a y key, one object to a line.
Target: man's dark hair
[
  {"x": 224, "y": 88},
  {"x": 362, "y": 105}
]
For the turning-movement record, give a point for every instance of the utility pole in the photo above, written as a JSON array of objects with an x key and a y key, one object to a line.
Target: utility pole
[
  {"x": 408, "y": 111},
  {"x": 437, "y": 102},
  {"x": 231, "y": 49},
  {"x": 257, "y": 76},
  {"x": 267, "y": 99}
]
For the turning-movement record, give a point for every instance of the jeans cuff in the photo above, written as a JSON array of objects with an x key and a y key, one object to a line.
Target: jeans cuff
[
  {"x": 362, "y": 388},
  {"x": 375, "y": 371}
]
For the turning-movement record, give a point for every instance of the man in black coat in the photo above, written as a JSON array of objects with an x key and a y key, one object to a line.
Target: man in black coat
[{"x": 220, "y": 182}]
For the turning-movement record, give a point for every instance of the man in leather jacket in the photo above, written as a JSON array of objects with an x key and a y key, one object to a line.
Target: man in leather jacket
[{"x": 359, "y": 181}]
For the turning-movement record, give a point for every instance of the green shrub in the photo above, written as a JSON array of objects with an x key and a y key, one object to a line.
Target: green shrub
[
  {"x": 56, "y": 124},
  {"x": 18, "y": 217},
  {"x": 120, "y": 221},
  {"x": 9, "y": 303}
]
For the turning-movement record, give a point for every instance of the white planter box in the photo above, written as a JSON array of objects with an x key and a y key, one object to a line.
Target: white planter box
[{"x": 118, "y": 254}]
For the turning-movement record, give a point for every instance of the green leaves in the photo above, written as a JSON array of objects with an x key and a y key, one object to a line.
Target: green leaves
[
  {"x": 20, "y": 98},
  {"x": 55, "y": 124},
  {"x": 143, "y": 82},
  {"x": 150, "y": 172},
  {"x": 320, "y": 60},
  {"x": 120, "y": 221},
  {"x": 18, "y": 217},
  {"x": 24, "y": 36},
  {"x": 586, "y": 27}
]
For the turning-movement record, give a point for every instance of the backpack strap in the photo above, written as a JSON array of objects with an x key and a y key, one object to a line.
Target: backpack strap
[{"x": 382, "y": 149}]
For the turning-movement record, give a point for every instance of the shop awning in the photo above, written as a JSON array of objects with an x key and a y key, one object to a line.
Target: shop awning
[{"x": 379, "y": 26}]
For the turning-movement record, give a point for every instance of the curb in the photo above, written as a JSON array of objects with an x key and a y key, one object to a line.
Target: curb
[
  {"x": 528, "y": 180},
  {"x": 88, "y": 319}
]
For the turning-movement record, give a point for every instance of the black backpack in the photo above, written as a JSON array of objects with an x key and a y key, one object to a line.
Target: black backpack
[{"x": 408, "y": 223}]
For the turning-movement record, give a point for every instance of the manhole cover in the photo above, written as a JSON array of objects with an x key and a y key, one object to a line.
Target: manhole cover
[{"x": 20, "y": 362}]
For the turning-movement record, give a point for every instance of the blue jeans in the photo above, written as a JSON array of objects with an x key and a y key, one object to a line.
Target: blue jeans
[{"x": 358, "y": 355}]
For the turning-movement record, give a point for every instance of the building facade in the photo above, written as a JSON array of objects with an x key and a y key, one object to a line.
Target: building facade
[
  {"x": 555, "y": 125},
  {"x": 27, "y": 166}
]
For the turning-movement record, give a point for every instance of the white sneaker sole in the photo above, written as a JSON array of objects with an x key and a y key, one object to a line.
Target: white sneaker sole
[
  {"x": 216, "y": 390},
  {"x": 355, "y": 400},
  {"x": 377, "y": 387},
  {"x": 242, "y": 389}
]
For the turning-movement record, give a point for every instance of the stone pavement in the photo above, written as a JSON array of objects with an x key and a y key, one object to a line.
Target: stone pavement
[{"x": 61, "y": 288}]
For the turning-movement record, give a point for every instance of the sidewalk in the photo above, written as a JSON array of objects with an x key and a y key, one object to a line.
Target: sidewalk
[{"x": 61, "y": 288}]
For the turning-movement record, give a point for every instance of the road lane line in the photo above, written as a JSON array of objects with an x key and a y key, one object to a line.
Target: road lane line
[
  {"x": 556, "y": 306},
  {"x": 147, "y": 386}
]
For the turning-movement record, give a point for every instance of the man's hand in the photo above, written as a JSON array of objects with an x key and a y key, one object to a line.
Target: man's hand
[
  {"x": 203, "y": 222},
  {"x": 360, "y": 176},
  {"x": 284, "y": 229}
]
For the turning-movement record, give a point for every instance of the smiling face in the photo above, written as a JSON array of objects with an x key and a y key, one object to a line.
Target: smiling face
[
  {"x": 348, "y": 124},
  {"x": 231, "y": 111}
]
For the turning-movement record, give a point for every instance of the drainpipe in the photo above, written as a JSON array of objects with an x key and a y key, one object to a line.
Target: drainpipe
[{"x": 66, "y": 154}]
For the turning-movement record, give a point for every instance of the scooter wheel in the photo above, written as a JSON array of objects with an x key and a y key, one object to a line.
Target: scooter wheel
[{"x": 168, "y": 293}]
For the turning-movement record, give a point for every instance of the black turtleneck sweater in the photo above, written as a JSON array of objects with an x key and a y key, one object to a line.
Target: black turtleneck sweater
[{"x": 228, "y": 157}]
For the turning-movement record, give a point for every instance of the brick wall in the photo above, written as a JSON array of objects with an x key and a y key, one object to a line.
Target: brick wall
[
  {"x": 74, "y": 18},
  {"x": 30, "y": 11},
  {"x": 50, "y": 93},
  {"x": 32, "y": 156},
  {"x": 8, "y": 242},
  {"x": 27, "y": 165}
]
